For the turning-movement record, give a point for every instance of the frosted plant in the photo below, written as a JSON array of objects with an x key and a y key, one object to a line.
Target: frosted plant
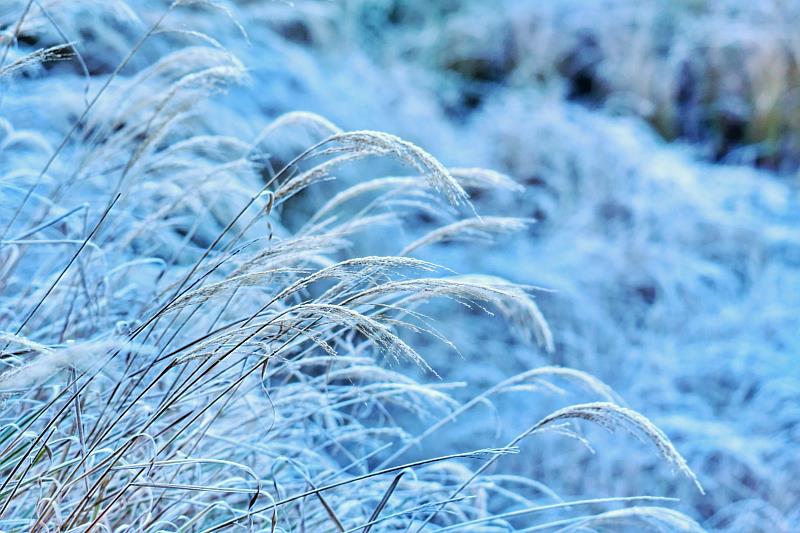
[{"x": 176, "y": 357}]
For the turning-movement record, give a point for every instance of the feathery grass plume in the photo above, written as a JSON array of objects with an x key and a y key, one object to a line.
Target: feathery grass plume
[
  {"x": 359, "y": 189},
  {"x": 380, "y": 335},
  {"x": 476, "y": 178},
  {"x": 520, "y": 309},
  {"x": 222, "y": 288},
  {"x": 478, "y": 229},
  {"x": 648, "y": 517},
  {"x": 316, "y": 174},
  {"x": 669, "y": 517},
  {"x": 54, "y": 53},
  {"x": 315, "y": 249},
  {"x": 607, "y": 415},
  {"x": 534, "y": 379},
  {"x": 484, "y": 178},
  {"x": 614, "y": 417},
  {"x": 7, "y": 339},
  {"x": 510, "y": 299},
  {"x": 373, "y": 269},
  {"x": 379, "y": 143},
  {"x": 287, "y": 133},
  {"x": 311, "y": 121},
  {"x": 50, "y": 362}
]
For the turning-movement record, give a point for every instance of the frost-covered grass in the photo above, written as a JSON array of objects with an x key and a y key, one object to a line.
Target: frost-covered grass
[
  {"x": 721, "y": 74},
  {"x": 220, "y": 311}
]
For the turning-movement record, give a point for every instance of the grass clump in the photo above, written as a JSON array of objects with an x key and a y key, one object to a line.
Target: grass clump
[{"x": 176, "y": 358}]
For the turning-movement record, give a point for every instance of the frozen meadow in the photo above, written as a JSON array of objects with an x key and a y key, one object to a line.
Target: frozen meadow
[{"x": 397, "y": 265}]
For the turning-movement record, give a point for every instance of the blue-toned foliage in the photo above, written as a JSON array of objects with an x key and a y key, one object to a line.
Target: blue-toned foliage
[{"x": 393, "y": 265}]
